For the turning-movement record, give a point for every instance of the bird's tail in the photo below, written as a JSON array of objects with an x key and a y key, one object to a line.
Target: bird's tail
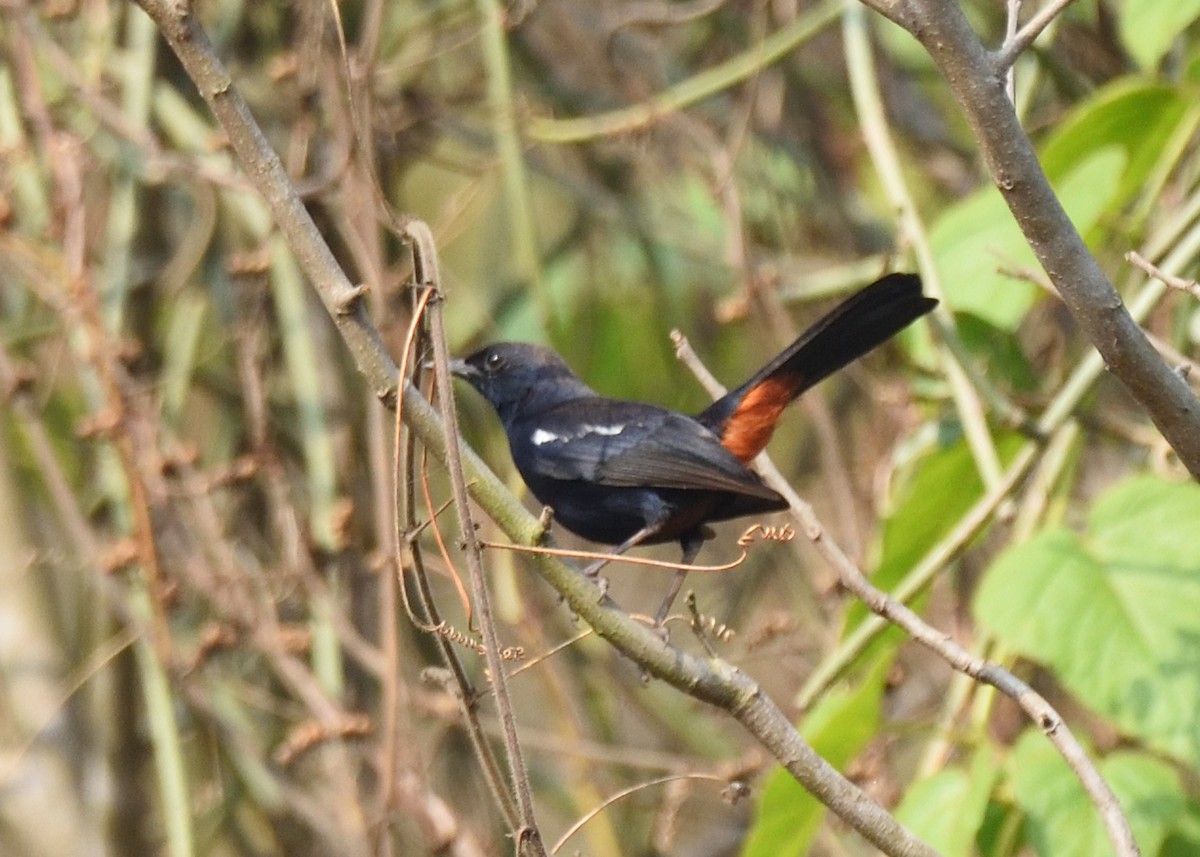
[{"x": 745, "y": 418}]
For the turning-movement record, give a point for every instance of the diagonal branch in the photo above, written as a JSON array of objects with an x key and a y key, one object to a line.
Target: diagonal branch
[
  {"x": 1016, "y": 44},
  {"x": 709, "y": 680},
  {"x": 893, "y": 610},
  {"x": 978, "y": 82}
]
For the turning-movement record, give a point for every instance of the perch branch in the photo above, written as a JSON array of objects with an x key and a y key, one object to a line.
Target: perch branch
[{"x": 708, "y": 680}]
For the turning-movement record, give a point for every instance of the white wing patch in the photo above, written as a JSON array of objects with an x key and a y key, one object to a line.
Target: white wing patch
[{"x": 541, "y": 437}]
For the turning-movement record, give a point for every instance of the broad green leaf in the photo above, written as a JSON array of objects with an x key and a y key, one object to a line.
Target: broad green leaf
[
  {"x": 1148, "y": 27},
  {"x": 839, "y": 727},
  {"x": 1151, "y": 522},
  {"x": 1135, "y": 114},
  {"x": 1062, "y": 821},
  {"x": 978, "y": 238},
  {"x": 975, "y": 237},
  {"x": 1114, "y": 612},
  {"x": 947, "y": 809}
]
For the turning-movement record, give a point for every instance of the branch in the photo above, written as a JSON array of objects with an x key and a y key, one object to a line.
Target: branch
[
  {"x": 1013, "y": 17},
  {"x": 709, "y": 680},
  {"x": 426, "y": 275},
  {"x": 341, "y": 298},
  {"x": 977, "y": 81},
  {"x": 1016, "y": 43},
  {"x": 1136, "y": 259},
  {"x": 892, "y": 610}
]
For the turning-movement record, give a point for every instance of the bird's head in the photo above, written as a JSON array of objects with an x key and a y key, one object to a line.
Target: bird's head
[{"x": 518, "y": 378}]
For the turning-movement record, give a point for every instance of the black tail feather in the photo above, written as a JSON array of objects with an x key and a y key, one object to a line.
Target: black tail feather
[{"x": 855, "y": 327}]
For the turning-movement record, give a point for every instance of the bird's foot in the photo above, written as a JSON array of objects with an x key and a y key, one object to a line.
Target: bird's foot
[{"x": 593, "y": 569}]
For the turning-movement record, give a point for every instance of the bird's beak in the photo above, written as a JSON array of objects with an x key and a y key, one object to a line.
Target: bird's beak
[{"x": 463, "y": 369}]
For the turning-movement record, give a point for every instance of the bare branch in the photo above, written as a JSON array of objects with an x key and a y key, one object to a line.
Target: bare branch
[
  {"x": 1032, "y": 703},
  {"x": 709, "y": 680},
  {"x": 1170, "y": 280},
  {"x": 978, "y": 84},
  {"x": 1013, "y": 17},
  {"x": 1015, "y": 42}
]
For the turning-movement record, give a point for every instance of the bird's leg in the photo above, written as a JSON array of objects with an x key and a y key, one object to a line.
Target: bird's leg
[
  {"x": 691, "y": 546},
  {"x": 637, "y": 538},
  {"x": 634, "y": 540}
]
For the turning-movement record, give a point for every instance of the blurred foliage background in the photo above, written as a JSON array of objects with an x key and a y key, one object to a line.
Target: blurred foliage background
[{"x": 201, "y": 644}]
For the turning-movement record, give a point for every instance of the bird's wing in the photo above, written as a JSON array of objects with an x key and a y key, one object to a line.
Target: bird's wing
[{"x": 630, "y": 444}]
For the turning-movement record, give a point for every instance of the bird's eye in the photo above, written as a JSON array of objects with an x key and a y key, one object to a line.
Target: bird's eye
[{"x": 494, "y": 362}]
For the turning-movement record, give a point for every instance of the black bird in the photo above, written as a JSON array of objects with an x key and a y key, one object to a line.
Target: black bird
[{"x": 626, "y": 473}]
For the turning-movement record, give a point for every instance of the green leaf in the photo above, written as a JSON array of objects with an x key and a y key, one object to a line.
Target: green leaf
[
  {"x": 1000, "y": 350},
  {"x": 839, "y": 727},
  {"x": 1151, "y": 522},
  {"x": 1137, "y": 115},
  {"x": 1064, "y": 823},
  {"x": 977, "y": 238},
  {"x": 947, "y": 809},
  {"x": 1148, "y": 27},
  {"x": 1114, "y": 613}
]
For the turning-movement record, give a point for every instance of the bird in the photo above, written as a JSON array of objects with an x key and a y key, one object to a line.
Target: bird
[{"x": 627, "y": 473}]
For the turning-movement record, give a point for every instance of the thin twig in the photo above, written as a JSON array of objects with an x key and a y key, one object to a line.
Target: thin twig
[
  {"x": 1012, "y": 19},
  {"x": 425, "y": 272},
  {"x": 444, "y": 551},
  {"x": 395, "y": 752},
  {"x": 1015, "y": 43},
  {"x": 1036, "y": 707},
  {"x": 1170, "y": 280},
  {"x": 551, "y": 652},
  {"x": 465, "y": 692},
  {"x": 624, "y": 793},
  {"x": 616, "y": 560}
]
